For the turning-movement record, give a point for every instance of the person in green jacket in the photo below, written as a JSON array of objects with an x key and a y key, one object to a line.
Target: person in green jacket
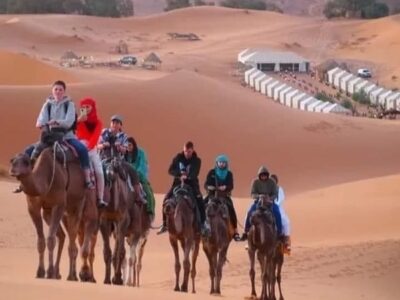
[{"x": 138, "y": 159}]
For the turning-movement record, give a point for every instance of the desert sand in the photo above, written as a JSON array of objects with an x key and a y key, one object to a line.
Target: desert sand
[{"x": 339, "y": 173}]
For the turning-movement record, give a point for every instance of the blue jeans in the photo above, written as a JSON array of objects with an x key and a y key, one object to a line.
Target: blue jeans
[
  {"x": 82, "y": 152},
  {"x": 275, "y": 210},
  {"x": 29, "y": 150}
]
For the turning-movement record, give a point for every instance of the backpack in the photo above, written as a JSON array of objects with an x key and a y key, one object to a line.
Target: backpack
[{"x": 66, "y": 104}]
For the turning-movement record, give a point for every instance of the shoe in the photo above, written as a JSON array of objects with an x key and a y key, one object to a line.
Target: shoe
[
  {"x": 102, "y": 204},
  {"x": 236, "y": 237},
  {"x": 89, "y": 185},
  {"x": 244, "y": 237},
  {"x": 18, "y": 190},
  {"x": 163, "y": 229},
  {"x": 205, "y": 229}
]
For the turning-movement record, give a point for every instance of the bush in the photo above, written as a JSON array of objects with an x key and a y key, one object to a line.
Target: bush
[
  {"x": 251, "y": 4},
  {"x": 374, "y": 11},
  {"x": 361, "y": 97},
  {"x": 176, "y": 4},
  {"x": 347, "y": 104},
  {"x": 323, "y": 97}
]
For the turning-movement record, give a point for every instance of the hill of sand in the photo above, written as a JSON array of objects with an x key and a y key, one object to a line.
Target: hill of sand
[
  {"x": 346, "y": 240},
  {"x": 19, "y": 69}
]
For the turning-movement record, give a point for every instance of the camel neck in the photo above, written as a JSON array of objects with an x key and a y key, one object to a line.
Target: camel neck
[{"x": 37, "y": 182}]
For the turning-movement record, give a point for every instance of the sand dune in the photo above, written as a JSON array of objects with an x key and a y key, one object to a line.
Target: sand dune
[{"x": 19, "y": 69}]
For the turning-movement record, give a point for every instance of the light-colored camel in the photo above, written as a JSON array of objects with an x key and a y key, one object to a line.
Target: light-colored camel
[
  {"x": 181, "y": 222},
  {"x": 262, "y": 240},
  {"x": 217, "y": 243},
  {"x": 56, "y": 191},
  {"x": 115, "y": 218},
  {"x": 136, "y": 239}
]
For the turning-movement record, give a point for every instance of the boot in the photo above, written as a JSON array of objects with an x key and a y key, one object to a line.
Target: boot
[
  {"x": 205, "y": 229},
  {"x": 163, "y": 229},
  {"x": 88, "y": 180},
  {"x": 287, "y": 245},
  {"x": 236, "y": 237},
  {"x": 18, "y": 190},
  {"x": 244, "y": 236},
  {"x": 102, "y": 203}
]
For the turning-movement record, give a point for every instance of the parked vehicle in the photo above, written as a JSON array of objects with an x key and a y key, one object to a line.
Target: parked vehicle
[
  {"x": 128, "y": 60},
  {"x": 364, "y": 73}
]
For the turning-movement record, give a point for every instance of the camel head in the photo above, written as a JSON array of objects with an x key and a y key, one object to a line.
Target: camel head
[
  {"x": 215, "y": 207},
  {"x": 169, "y": 206},
  {"x": 112, "y": 169},
  {"x": 20, "y": 165}
]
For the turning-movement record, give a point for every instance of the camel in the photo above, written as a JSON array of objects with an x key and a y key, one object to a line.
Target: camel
[
  {"x": 58, "y": 191},
  {"x": 115, "y": 218},
  {"x": 262, "y": 240},
  {"x": 138, "y": 232},
  {"x": 181, "y": 223},
  {"x": 216, "y": 245}
]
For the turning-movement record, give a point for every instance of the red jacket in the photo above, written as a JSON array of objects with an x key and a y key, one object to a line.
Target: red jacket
[{"x": 90, "y": 129}]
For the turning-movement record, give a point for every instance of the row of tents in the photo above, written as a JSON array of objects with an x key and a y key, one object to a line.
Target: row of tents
[
  {"x": 351, "y": 84},
  {"x": 287, "y": 95}
]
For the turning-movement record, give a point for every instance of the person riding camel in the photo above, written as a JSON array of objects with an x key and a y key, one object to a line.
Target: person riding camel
[
  {"x": 219, "y": 182},
  {"x": 114, "y": 143},
  {"x": 263, "y": 185},
  {"x": 58, "y": 115},
  {"x": 88, "y": 131},
  {"x": 136, "y": 156},
  {"x": 285, "y": 219},
  {"x": 185, "y": 167}
]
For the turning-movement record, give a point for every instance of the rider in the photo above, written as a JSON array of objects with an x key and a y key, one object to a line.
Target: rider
[
  {"x": 88, "y": 131},
  {"x": 137, "y": 158},
  {"x": 285, "y": 219},
  {"x": 263, "y": 185},
  {"x": 185, "y": 167},
  {"x": 219, "y": 182},
  {"x": 58, "y": 114},
  {"x": 114, "y": 142}
]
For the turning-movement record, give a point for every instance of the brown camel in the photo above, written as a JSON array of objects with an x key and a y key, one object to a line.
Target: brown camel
[
  {"x": 55, "y": 190},
  {"x": 181, "y": 222},
  {"x": 115, "y": 218},
  {"x": 137, "y": 238},
  {"x": 216, "y": 245},
  {"x": 262, "y": 240}
]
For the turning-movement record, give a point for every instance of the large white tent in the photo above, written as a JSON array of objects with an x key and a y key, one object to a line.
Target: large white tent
[
  {"x": 257, "y": 82},
  {"x": 264, "y": 84}
]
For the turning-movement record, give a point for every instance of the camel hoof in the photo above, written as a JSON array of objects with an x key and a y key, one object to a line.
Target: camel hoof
[
  {"x": 184, "y": 289},
  {"x": 40, "y": 273},
  {"x": 117, "y": 281},
  {"x": 85, "y": 276},
  {"x": 51, "y": 274},
  {"x": 72, "y": 277},
  {"x": 107, "y": 281},
  {"x": 177, "y": 289},
  {"x": 93, "y": 280}
]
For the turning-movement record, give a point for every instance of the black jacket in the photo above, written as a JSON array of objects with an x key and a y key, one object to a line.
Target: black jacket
[
  {"x": 191, "y": 167},
  {"x": 213, "y": 181}
]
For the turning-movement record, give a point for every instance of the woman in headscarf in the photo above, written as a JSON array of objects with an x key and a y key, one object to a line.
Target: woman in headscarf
[
  {"x": 219, "y": 182},
  {"x": 137, "y": 158},
  {"x": 88, "y": 131}
]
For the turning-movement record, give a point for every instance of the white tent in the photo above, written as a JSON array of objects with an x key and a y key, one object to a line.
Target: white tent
[
  {"x": 305, "y": 103},
  {"x": 375, "y": 95},
  {"x": 248, "y": 73},
  {"x": 253, "y": 76},
  {"x": 392, "y": 100},
  {"x": 336, "y": 109},
  {"x": 289, "y": 97},
  {"x": 369, "y": 88},
  {"x": 344, "y": 81},
  {"x": 312, "y": 106},
  {"x": 321, "y": 107},
  {"x": 264, "y": 84},
  {"x": 359, "y": 85},
  {"x": 337, "y": 77},
  {"x": 271, "y": 87},
  {"x": 331, "y": 74},
  {"x": 298, "y": 98},
  {"x": 382, "y": 99},
  {"x": 257, "y": 82},
  {"x": 278, "y": 89},
  {"x": 352, "y": 84},
  {"x": 283, "y": 93}
]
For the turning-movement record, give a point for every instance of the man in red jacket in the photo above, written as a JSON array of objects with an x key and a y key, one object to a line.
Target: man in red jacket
[{"x": 88, "y": 132}]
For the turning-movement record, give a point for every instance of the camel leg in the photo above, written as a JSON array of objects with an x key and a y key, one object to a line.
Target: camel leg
[
  {"x": 252, "y": 273},
  {"x": 119, "y": 252},
  {"x": 186, "y": 246},
  {"x": 61, "y": 240},
  {"x": 105, "y": 229},
  {"x": 92, "y": 255},
  {"x": 220, "y": 265},
  {"x": 139, "y": 264},
  {"x": 261, "y": 260},
  {"x": 211, "y": 270},
  {"x": 73, "y": 226},
  {"x": 55, "y": 220},
  {"x": 272, "y": 277},
  {"x": 174, "y": 245},
  {"x": 125, "y": 266},
  {"x": 34, "y": 213},
  {"x": 279, "y": 272},
  {"x": 131, "y": 261},
  {"x": 195, "y": 254}
]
